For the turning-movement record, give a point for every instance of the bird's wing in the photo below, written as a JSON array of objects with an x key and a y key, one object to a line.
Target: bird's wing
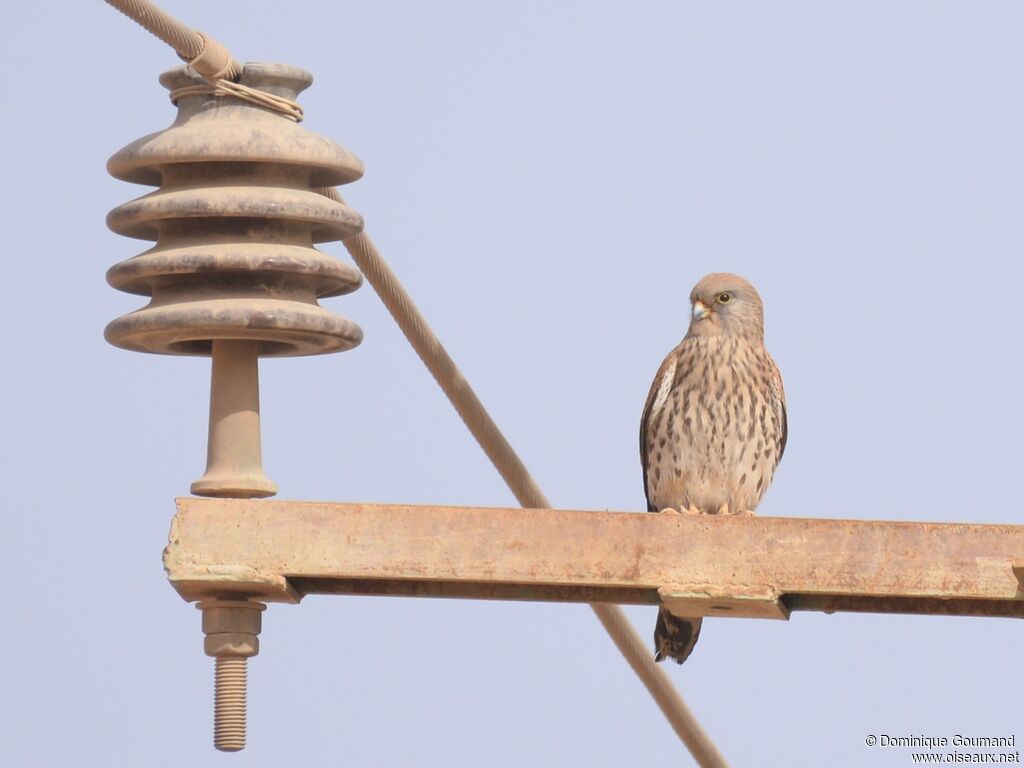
[
  {"x": 659, "y": 391},
  {"x": 779, "y": 395},
  {"x": 785, "y": 430}
]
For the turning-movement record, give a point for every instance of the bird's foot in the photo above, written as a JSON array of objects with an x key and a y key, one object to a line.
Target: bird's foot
[
  {"x": 724, "y": 509},
  {"x": 745, "y": 513},
  {"x": 691, "y": 510}
]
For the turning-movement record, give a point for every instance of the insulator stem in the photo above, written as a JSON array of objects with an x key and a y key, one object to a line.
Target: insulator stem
[{"x": 234, "y": 464}]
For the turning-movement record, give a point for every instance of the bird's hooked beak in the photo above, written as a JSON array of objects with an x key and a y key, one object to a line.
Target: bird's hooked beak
[{"x": 700, "y": 310}]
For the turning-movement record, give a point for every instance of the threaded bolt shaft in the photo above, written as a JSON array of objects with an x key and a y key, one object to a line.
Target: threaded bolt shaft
[{"x": 229, "y": 703}]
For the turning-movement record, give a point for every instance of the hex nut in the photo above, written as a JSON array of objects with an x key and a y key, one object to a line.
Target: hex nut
[
  {"x": 231, "y": 616},
  {"x": 231, "y": 644}
]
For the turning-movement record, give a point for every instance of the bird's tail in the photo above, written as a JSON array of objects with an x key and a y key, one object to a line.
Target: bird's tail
[{"x": 674, "y": 638}]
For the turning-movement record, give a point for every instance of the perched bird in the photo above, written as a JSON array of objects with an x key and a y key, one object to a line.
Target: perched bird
[{"x": 714, "y": 426}]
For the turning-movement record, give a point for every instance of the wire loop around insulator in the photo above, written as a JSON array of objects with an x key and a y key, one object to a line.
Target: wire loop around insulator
[{"x": 281, "y": 105}]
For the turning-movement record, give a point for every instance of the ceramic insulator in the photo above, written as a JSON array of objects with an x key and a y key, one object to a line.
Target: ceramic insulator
[{"x": 235, "y": 222}]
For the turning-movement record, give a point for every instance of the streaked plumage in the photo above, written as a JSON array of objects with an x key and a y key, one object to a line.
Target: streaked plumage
[{"x": 714, "y": 425}]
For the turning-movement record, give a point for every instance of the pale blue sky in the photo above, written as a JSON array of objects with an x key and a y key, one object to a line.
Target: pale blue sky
[{"x": 549, "y": 180}]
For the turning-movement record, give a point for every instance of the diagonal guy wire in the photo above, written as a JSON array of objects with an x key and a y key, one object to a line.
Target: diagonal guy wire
[{"x": 519, "y": 481}]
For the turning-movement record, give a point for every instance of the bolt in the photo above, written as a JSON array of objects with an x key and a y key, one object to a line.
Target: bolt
[
  {"x": 229, "y": 703},
  {"x": 231, "y": 628}
]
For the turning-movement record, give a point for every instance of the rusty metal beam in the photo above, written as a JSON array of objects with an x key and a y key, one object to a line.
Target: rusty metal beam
[{"x": 759, "y": 567}]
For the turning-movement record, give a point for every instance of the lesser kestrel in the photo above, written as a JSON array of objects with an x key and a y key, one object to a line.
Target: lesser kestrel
[{"x": 714, "y": 426}]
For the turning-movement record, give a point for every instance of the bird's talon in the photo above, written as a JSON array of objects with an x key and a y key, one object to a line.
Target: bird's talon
[{"x": 669, "y": 511}]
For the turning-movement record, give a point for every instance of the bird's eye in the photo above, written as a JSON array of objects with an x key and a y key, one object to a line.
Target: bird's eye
[{"x": 724, "y": 298}]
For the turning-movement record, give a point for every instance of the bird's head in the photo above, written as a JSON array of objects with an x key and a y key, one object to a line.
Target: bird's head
[{"x": 725, "y": 304}]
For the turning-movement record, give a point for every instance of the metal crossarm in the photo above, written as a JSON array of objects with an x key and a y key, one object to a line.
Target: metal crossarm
[{"x": 713, "y": 566}]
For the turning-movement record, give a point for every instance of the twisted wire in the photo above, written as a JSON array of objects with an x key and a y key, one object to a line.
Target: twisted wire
[
  {"x": 155, "y": 20},
  {"x": 187, "y": 42}
]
